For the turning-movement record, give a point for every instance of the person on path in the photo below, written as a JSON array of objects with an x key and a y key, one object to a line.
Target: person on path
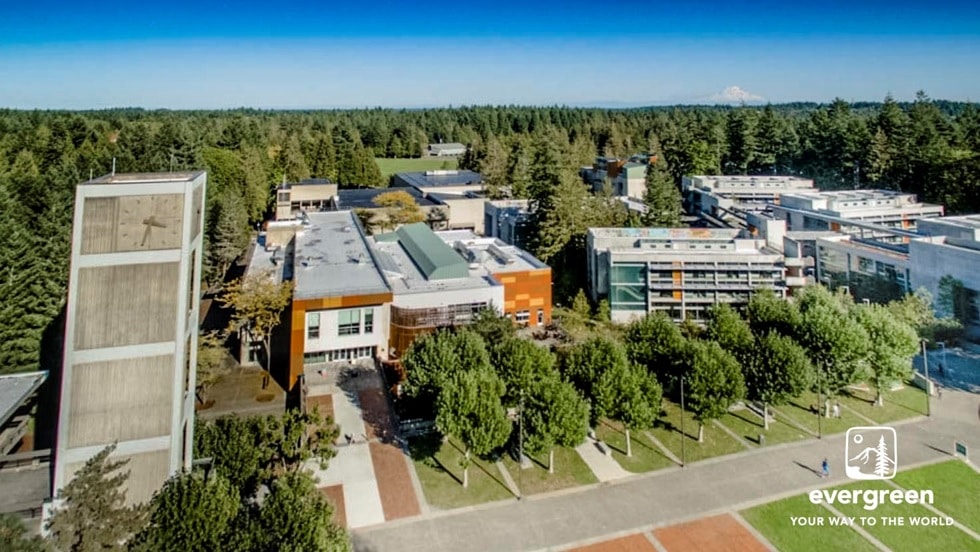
[
  {"x": 825, "y": 466},
  {"x": 837, "y": 410}
]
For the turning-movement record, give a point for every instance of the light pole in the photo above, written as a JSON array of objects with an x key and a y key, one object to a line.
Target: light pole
[
  {"x": 683, "y": 435},
  {"x": 943, "y": 365},
  {"x": 925, "y": 365},
  {"x": 520, "y": 448},
  {"x": 819, "y": 401}
]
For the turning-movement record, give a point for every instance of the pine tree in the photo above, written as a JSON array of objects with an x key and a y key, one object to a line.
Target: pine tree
[
  {"x": 662, "y": 198},
  {"x": 93, "y": 514}
]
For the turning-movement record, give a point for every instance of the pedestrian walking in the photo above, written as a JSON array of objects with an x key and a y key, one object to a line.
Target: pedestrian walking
[
  {"x": 837, "y": 410},
  {"x": 825, "y": 466}
]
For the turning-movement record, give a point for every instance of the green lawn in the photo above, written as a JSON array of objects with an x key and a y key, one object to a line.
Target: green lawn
[
  {"x": 570, "y": 471},
  {"x": 956, "y": 486},
  {"x": 907, "y": 402},
  {"x": 646, "y": 456},
  {"x": 906, "y": 537},
  {"x": 800, "y": 411},
  {"x": 773, "y": 521},
  {"x": 438, "y": 467},
  {"x": 747, "y": 425},
  {"x": 716, "y": 442},
  {"x": 391, "y": 166}
]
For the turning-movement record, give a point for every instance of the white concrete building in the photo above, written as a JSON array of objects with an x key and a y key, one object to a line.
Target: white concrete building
[
  {"x": 679, "y": 271},
  {"x": 719, "y": 195},
  {"x": 132, "y": 326},
  {"x": 833, "y": 210},
  {"x": 447, "y": 150}
]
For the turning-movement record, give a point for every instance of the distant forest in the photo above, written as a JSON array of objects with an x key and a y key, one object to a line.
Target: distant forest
[{"x": 928, "y": 147}]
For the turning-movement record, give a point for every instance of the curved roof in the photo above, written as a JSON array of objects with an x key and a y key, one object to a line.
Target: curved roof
[{"x": 435, "y": 259}]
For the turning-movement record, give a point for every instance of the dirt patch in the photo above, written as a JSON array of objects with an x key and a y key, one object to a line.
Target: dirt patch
[
  {"x": 632, "y": 543},
  {"x": 335, "y": 494},
  {"x": 714, "y": 533},
  {"x": 323, "y": 404},
  {"x": 398, "y": 498},
  {"x": 376, "y": 414}
]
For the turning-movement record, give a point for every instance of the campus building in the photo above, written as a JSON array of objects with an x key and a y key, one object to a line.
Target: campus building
[
  {"x": 306, "y": 195},
  {"x": 875, "y": 270},
  {"x": 131, "y": 326},
  {"x": 722, "y": 196},
  {"x": 451, "y": 149},
  {"x": 508, "y": 220},
  {"x": 622, "y": 177},
  {"x": 835, "y": 210},
  {"x": 952, "y": 249},
  {"x": 679, "y": 271},
  {"x": 460, "y": 193},
  {"x": 358, "y": 296},
  {"x": 365, "y": 199}
]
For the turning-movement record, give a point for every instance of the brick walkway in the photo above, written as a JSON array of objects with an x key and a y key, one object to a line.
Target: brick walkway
[
  {"x": 632, "y": 543},
  {"x": 714, "y": 533},
  {"x": 394, "y": 482},
  {"x": 335, "y": 494}
]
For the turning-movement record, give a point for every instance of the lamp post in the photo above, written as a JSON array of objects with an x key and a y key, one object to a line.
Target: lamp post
[
  {"x": 819, "y": 401},
  {"x": 520, "y": 448},
  {"x": 944, "y": 364},
  {"x": 683, "y": 435},
  {"x": 925, "y": 365}
]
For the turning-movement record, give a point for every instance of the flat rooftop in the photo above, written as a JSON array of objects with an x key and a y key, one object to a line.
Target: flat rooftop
[
  {"x": 856, "y": 195},
  {"x": 430, "y": 179},
  {"x": 963, "y": 221},
  {"x": 363, "y": 198},
  {"x": 333, "y": 258},
  {"x": 668, "y": 233},
  {"x": 15, "y": 389},
  {"x": 146, "y": 178},
  {"x": 308, "y": 182},
  {"x": 408, "y": 275},
  {"x": 899, "y": 252},
  {"x": 495, "y": 256}
]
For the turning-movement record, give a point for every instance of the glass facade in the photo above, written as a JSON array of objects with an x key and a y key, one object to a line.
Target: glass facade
[{"x": 628, "y": 286}]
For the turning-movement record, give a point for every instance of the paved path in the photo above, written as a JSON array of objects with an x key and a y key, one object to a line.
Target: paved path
[
  {"x": 603, "y": 466},
  {"x": 667, "y": 496}
]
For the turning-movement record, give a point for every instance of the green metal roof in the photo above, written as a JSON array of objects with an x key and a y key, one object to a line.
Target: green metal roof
[{"x": 434, "y": 257}]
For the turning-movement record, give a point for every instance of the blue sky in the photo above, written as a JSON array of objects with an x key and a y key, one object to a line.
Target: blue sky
[{"x": 181, "y": 54}]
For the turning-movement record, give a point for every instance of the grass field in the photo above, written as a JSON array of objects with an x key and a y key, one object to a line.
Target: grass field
[
  {"x": 747, "y": 425},
  {"x": 646, "y": 456},
  {"x": 716, "y": 442},
  {"x": 904, "y": 403},
  {"x": 773, "y": 521},
  {"x": 956, "y": 487},
  {"x": 438, "y": 467},
  {"x": 907, "y": 537},
  {"x": 570, "y": 471},
  {"x": 800, "y": 411},
  {"x": 391, "y": 166}
]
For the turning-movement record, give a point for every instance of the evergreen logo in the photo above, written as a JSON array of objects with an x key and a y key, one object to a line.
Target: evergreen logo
[{"x": 871, "y": 452}]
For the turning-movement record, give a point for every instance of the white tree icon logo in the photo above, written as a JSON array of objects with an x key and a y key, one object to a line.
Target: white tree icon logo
[{"x": 871, "y": 462}]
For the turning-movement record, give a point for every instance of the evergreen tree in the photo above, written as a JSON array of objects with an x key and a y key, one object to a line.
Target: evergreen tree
[
  {"x": 662, "y": 198},
  {"x": 92, "y": 513}
]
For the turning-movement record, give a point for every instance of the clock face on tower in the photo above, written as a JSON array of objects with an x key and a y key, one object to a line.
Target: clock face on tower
[{"x": 149, "y": 222}]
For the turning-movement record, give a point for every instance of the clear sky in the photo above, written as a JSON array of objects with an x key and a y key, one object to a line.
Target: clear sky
[{"x": 184, "y": 54}]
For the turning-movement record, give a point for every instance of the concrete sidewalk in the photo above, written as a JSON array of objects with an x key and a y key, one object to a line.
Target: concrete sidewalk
[{"x": 666, "y": 496}]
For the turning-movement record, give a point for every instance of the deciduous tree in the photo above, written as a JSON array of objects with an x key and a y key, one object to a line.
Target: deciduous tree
[
  {"x": 712, "y": 380},
  {"x": 776, "y": 370},
  {"x": 190, "y": 512},
  {"x": 469, "y": 409},
  {"x": 628, "y": 394},
  {"x": 555, "y": 415},
  {"x": 891, "y": 345},
  {"x": 258, "y": 301},
  {"x": 400, "y": 208}
]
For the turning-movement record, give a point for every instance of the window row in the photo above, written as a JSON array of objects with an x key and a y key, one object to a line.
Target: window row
[
  {"x": 354, "y": 353},
  {"x": 349, "y": 322}
]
